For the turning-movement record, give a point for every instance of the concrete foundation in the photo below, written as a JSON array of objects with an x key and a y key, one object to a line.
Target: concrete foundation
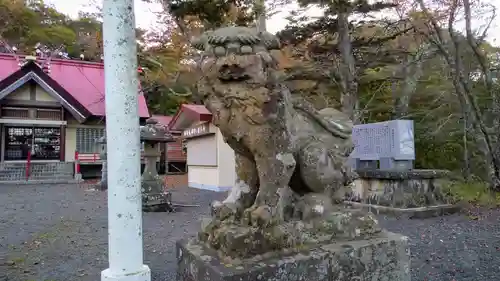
[
  {"x": 38, "y": 171},
  {"x": 383, "y": 258}
]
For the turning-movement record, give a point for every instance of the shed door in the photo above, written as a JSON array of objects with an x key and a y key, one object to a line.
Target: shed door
[{"x": 202, "y": 151}]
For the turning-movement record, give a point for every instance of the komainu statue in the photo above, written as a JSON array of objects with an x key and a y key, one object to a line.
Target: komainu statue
[{"x": 290, "y": 158}]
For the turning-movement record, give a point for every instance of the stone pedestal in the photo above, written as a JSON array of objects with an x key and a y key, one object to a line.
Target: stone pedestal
[
  {"x": 154, "y": 197},
  {"x": 103, "y": 183},
  {"x": 385, "y": 257}
]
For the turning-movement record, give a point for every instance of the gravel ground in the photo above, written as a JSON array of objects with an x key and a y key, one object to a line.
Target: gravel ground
[{"x": 58, "y": 233}]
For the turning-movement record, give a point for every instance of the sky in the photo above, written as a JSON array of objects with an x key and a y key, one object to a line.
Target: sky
[
  {"x": 145, "y": 15},
  {"x": 144, "y": 12}
]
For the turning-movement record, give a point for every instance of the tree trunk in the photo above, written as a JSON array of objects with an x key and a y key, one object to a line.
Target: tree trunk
[
  {"x": 411, "y": 72},
  {"x": 261, "y": 16},
  {"x": 466, "y": 166},
  {"x": 349, "y": 99},
  {"x": 461, "y": 83}
]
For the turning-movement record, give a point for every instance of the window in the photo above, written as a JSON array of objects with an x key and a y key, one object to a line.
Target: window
[
  {"x": 86, "y": 139},
  {"x": 10, "y": 112},
  {"x": 48, "y": 114},
  {"x": 44, "y": 143}
]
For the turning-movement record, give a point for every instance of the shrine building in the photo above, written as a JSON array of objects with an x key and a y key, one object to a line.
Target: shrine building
[
  {"x": 210, "y": 160},
  {"x": 50, "y": 111}
]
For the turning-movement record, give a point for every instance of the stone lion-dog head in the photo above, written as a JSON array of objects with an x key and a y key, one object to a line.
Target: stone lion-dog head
[{"x": 237, "y": 59}]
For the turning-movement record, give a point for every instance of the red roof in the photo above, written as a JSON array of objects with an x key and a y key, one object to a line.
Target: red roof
[
  {"x": 83, "y": 80},
  {"x": 200, "y": 109},
  {"x": 8, "y": 65},
  {"x": 163, "y": 119},
  {"x": 194, "y": 112}
]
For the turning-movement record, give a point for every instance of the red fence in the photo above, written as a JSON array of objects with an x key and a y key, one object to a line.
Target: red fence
[
  {"x": 85, "y": 158},
  {"x": 88, "y": 158},
  {"x": 174, "y": 153}
]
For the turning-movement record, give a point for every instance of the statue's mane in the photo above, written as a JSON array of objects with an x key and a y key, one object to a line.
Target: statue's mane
[{"x": 235, "y": 34}]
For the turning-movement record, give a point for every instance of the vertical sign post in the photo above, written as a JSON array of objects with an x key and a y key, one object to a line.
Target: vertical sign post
[{"x": 123, "y": 145}]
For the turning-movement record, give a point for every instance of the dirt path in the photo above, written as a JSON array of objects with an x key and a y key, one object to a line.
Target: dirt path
[{"x": 59, "y": 233}]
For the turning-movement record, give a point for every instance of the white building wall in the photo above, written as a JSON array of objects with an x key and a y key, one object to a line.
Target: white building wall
[
  {"x": 226, "y": 163},
  {"x": 203, "y": 177},
  {"x": 202, "y": 174}
]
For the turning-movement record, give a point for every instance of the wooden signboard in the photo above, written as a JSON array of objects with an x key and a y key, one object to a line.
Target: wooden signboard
[{"x": 197, "y": 131}]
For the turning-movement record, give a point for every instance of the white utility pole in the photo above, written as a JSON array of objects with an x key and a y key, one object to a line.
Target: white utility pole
[{"x": 123, "y": 145}]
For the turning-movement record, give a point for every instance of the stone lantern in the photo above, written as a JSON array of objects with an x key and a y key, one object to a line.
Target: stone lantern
[
  {"x": 101, "y": 147},
  {"x": 154, "y": 196}
]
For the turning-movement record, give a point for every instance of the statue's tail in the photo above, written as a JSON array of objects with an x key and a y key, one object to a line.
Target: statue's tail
[{"x": 330, "y": 119}]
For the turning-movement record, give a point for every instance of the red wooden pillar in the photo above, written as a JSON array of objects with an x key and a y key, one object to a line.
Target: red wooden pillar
[
  {"x": 77, "y": 163},
  {"x": 2, "y": 141},
  {"x": 62, "y": 144}
]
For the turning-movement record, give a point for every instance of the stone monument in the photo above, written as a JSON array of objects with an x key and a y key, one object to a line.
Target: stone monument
[
  {"x": 383, "y": 157},
  {"x": 385, "y": 145},
  {"x": 103, "y": 183},
  {"x": 284, "y": 218},
  {"x": 154, "y": 196}
]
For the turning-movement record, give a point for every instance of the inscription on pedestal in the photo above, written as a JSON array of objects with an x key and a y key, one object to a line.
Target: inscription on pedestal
[
  {"x": 156, "y": 197},
  {"x": 153, "y": 199}
]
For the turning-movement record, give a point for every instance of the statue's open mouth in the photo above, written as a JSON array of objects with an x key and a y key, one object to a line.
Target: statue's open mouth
[
  {"x": 234, "y": 78},
  {"x": 232, "y": 73}
]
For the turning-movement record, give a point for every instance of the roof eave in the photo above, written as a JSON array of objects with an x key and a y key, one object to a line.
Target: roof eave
[
  {"x": 30, "y": 71},
  {"x": 176, "y": 116}
]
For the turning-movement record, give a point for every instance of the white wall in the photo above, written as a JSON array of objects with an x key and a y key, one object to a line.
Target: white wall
[
  {"x": 202, "y": 151},
  {"x": 203, "y": 177},
  {"x": 226, "y": 162},
  {"x": 210, "y": 162}
]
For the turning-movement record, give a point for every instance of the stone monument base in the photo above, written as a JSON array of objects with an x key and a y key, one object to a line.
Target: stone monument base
[
  {"x": 384, "y": 257},
  {"x": 411, "y": 213},
  {"x": 413, "y": 193}
]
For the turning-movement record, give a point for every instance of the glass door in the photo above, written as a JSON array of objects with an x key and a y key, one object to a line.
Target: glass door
[
  {"x": 44, "y": 143},
  {"x": 18, "y": 142}
]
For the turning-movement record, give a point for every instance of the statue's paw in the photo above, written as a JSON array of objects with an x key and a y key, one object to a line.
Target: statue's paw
[
  {"x": 258, "y": 216},
  {"x": 222, "y": 211},
  {"x": 247, "y": 215}
]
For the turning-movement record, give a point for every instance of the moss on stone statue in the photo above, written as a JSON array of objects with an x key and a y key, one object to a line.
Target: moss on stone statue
[{"x": 236, "y": 240}]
